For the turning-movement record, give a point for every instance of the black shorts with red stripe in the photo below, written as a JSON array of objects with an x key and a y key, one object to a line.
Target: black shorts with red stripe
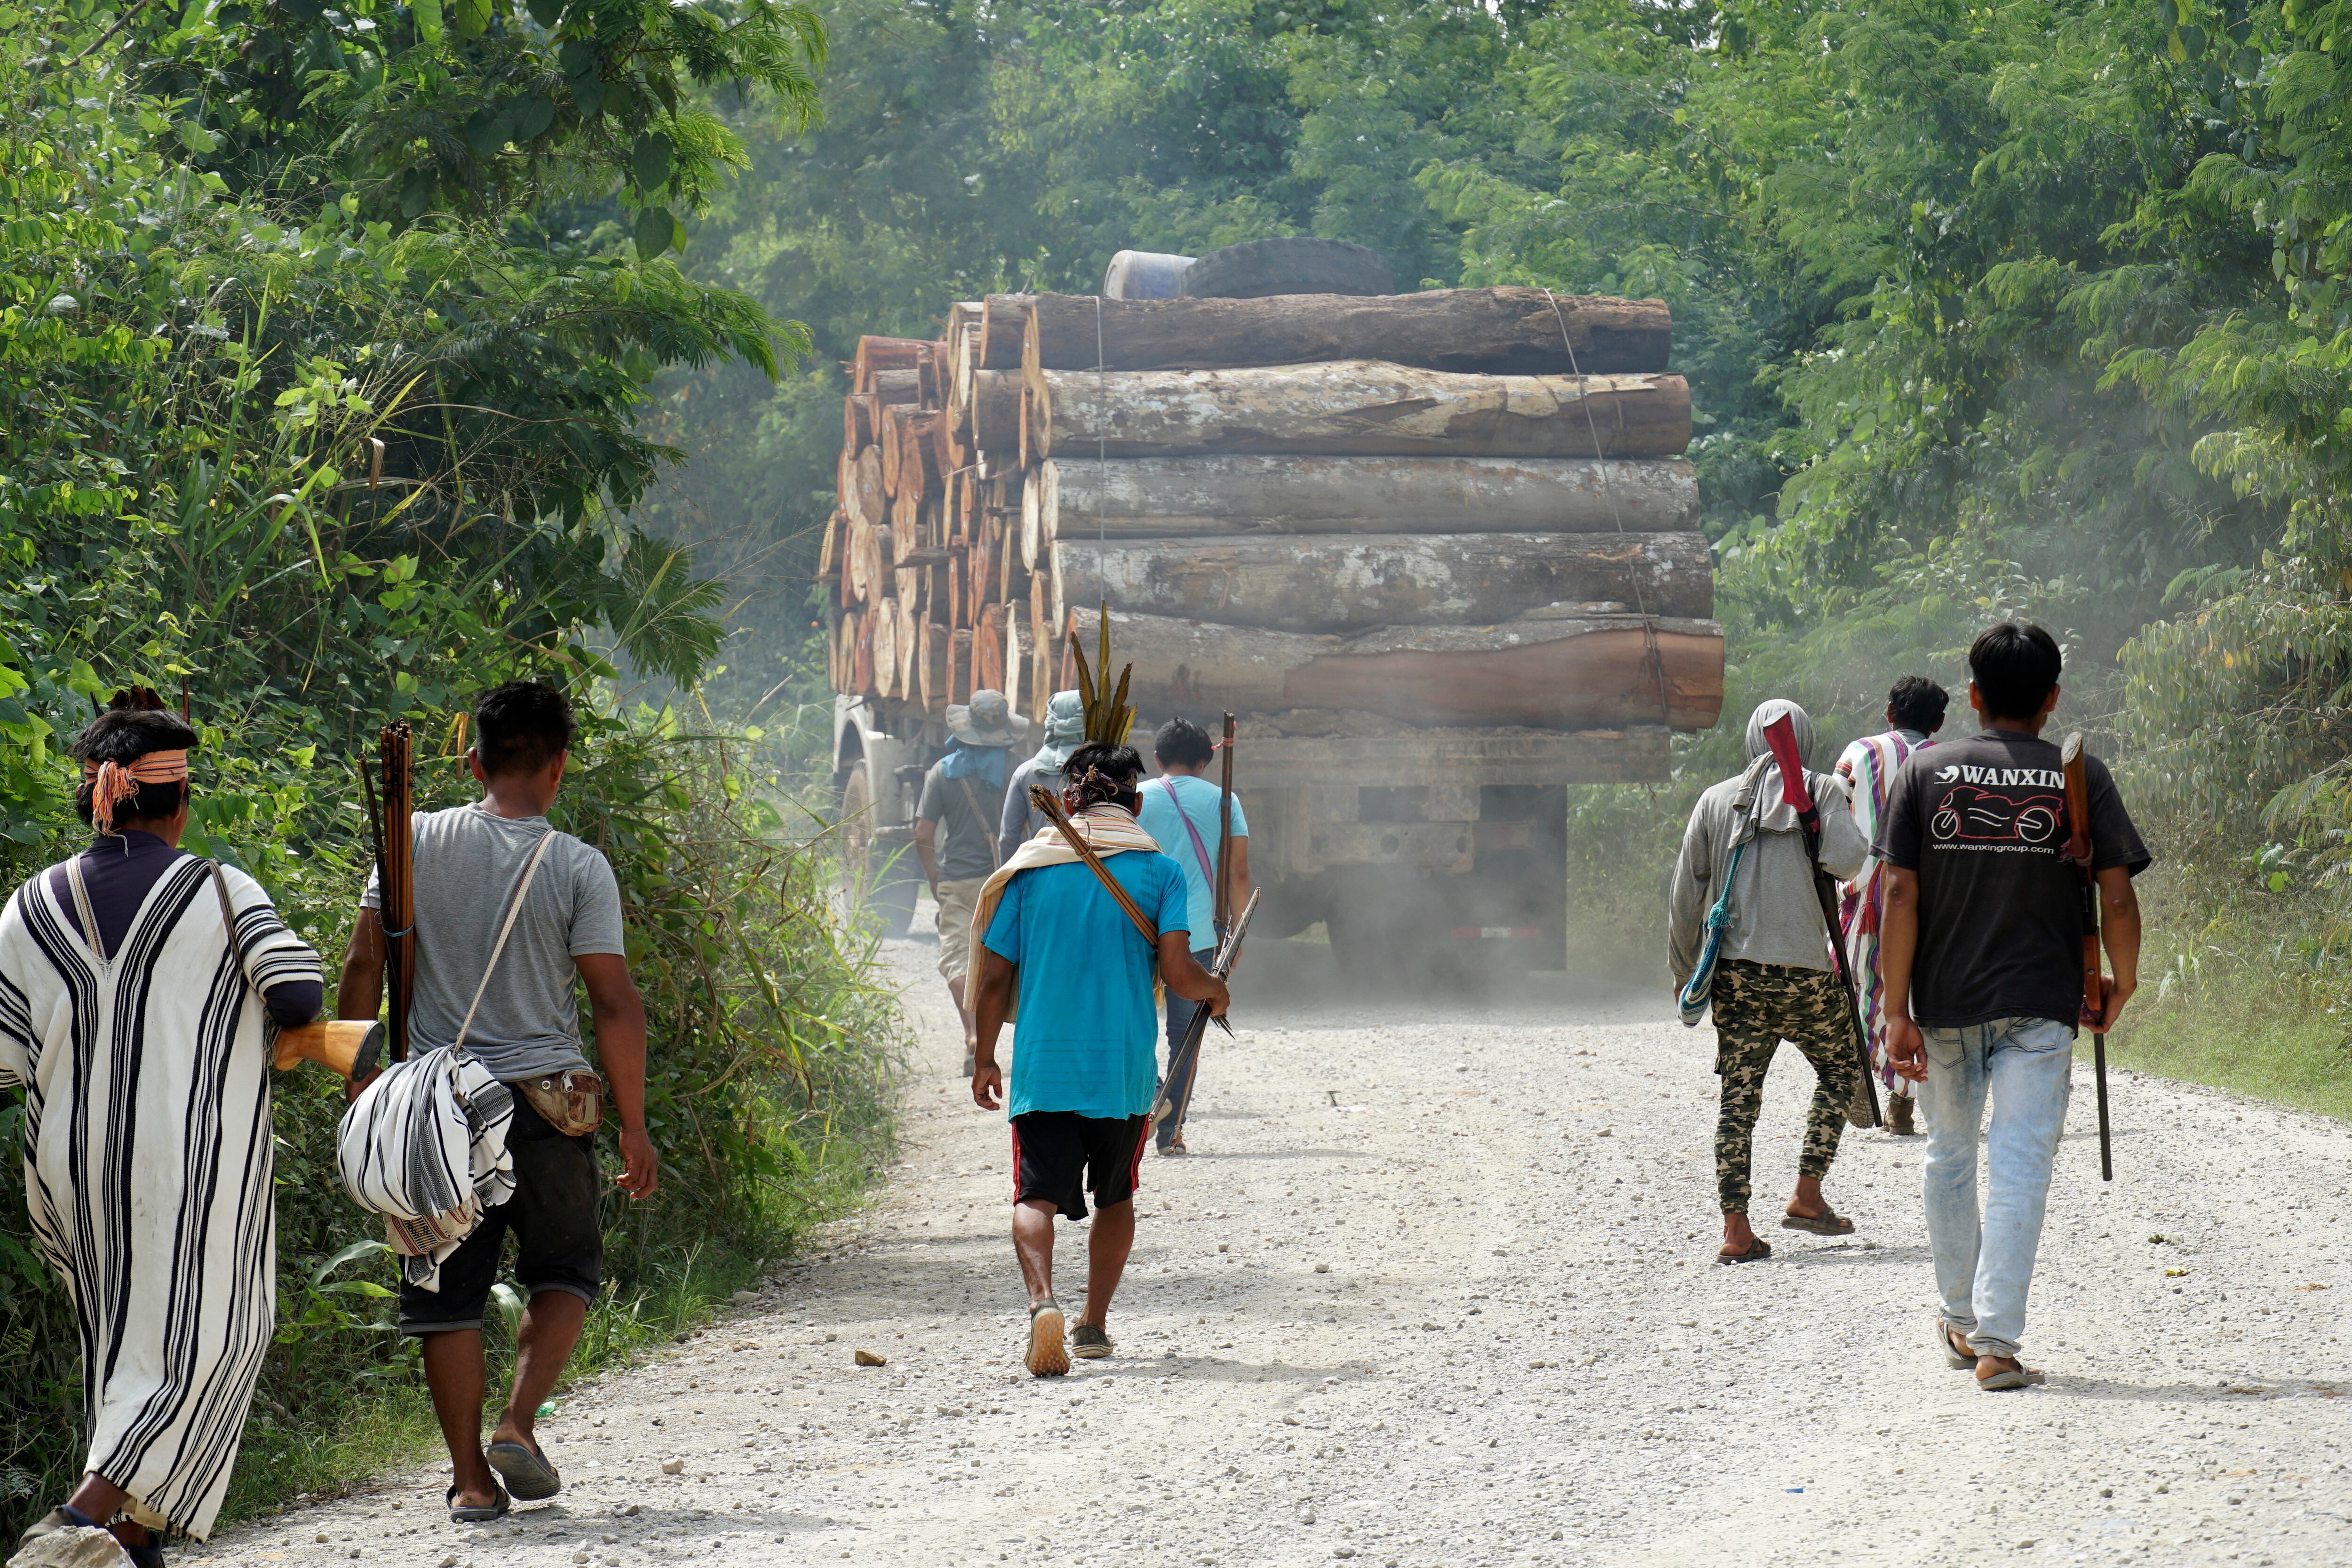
[{"x": 1060, "y": 1156}]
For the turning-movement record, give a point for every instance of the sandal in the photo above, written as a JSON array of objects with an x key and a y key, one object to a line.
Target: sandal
[
  {"x": 1829, "y": 1221},
  {"x": 1757, "y": 1250},
  {"x": 2018, "y": 1376},
  {"x": 1955, "y": 1349},
  {"x": 525, "y": 1470},
  {"x": 477, "y": 1513}
]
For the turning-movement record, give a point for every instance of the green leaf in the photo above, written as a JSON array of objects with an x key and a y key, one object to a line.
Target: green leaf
[
  {"x": 472, "y": 18},
  {"x": 528, "y": 118},
  {"x": 428, "y": 19},
  {"x": 547, "y": 13},
  {"x": 656, "y": 232},
  {"x": 650, "y": 160}
]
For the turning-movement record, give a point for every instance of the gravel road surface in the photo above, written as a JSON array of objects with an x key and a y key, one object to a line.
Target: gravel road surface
[{"x": 1436, "y": 1288}]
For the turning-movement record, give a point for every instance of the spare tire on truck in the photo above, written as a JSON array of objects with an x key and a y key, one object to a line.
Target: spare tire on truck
[{"x": 1299, "y": 265}]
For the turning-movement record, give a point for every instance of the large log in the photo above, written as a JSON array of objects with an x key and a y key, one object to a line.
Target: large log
[
  {"x": 1511, "y": 331},
  {"x": 996, "y": 410},
  {"x": 1004, "y": 330},
  {"x": 877, "y": 356},
  {"x": 862, "y": 493},
  {"x": 1571, "y": 673},
  {"x": 1351, "y": 583},
  {"x": 1361, "y": 407},
  {"x": 1247, "y": 493}
]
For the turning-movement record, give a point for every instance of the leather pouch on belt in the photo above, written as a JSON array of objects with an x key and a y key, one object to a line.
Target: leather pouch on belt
[{"x": 571, "y": 1102}]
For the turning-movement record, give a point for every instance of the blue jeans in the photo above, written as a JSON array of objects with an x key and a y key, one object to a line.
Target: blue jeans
[
  {"x": 1984, "y": 1267},
  {"x": 1179, "y": 1018}
]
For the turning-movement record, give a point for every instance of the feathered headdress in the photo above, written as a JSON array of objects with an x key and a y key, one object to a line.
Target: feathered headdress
[{"x": 1108, "y": 717}]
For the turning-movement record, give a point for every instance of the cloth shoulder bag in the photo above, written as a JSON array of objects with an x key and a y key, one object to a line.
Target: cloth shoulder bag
[{"x": 424, "y": 1145}]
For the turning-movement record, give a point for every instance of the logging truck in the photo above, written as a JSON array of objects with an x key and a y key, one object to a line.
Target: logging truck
[{"x": 1439, "y": 552}]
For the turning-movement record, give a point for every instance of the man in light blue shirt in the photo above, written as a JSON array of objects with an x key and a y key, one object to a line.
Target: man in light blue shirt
[
  {"x": 1180, "y": 810},
  {"x": 1084, "y": 1073}
]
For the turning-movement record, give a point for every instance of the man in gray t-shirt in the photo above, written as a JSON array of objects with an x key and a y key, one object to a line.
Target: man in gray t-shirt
[
  {"x": 471, "y": 863},
  {"x": 955, "y": 830},
  {"x": 468, "y": 861}
]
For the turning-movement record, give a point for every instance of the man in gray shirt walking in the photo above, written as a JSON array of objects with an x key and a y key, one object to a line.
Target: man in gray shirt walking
[
  {"x": 1773, "y": 980},
  {"x": 472, "y": 863}
]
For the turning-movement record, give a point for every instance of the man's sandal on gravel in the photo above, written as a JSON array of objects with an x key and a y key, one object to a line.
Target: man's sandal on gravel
[
  {"x": 1955, "y": 1349},
  {"x": 1089, "y": 1342},
  {"x": 477, "y": 1513},
  {"x": 1048, "y": 1356},
  {"x": 2018, "y": 1376},
  {"x": 1757, "y": 1250},
  {"x": 525, "y": 1470},
  {"x": 1829, "y": 1221}
]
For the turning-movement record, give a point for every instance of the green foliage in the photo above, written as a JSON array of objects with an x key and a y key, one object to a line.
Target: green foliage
[{"x": 276, "y": 438}]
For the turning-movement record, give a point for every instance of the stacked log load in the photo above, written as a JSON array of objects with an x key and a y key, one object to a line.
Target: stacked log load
[{"x": 1463, "y": 506}]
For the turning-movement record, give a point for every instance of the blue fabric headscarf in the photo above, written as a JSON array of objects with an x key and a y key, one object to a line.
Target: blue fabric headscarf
[{"x": 984, "y": 763}]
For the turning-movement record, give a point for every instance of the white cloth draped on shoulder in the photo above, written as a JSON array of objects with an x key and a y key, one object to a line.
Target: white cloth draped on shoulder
[
  {"x": 148, "y": 1166},
  {"x": 428, "y": 1142},
  {"x": 1107, "y": 829}
]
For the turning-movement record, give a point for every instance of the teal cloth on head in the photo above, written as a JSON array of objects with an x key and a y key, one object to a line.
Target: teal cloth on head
[
  {"x": 984, "y": 763},
  {"x": 1087, "y": 1035},
  {"x": 1065, "y": 730}
]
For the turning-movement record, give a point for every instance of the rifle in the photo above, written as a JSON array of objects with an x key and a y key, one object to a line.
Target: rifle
[
  {"x": 396, "y": 878},
  {"x": 1781, "y": 736},
  {"x": 1188, "y": 1050},
  {"x": 2095, "y": 985}
]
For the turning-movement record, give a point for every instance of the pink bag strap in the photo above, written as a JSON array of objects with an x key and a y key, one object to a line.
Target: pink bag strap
[{"x": 1208, "y": 871}]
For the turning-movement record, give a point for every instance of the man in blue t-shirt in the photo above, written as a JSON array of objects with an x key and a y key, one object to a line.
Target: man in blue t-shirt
[
  {"x": 1180, "y": 810},
  {"x": 1059, "y": 944}
]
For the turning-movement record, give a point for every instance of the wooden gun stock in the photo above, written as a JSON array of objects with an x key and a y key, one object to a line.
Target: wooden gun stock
[{"x": 351, "y": 1047}]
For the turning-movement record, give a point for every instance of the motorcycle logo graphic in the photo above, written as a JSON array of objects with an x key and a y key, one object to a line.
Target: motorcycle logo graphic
[{"x": 1981, "y": 816}]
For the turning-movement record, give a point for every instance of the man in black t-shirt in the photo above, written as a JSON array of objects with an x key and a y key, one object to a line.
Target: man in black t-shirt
[{"x": 1983, "y": 956}]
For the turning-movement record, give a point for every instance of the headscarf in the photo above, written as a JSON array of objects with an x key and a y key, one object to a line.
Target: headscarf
[
  {"x": 1065, "y": 730},
  {"x": 967, "y": 762},
  {"x": 112, "y": 783},
  {"x": 1771, "y": 812}
]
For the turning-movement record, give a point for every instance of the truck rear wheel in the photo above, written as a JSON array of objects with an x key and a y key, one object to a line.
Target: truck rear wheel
[{"x": 876, "y": 873}]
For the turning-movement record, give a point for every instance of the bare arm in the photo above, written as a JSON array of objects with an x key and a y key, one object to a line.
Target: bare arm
[
  {"x": 620, "y": 1015},
  {"x": 1237, "y": 878},
  {"x": 2119, "y": 924},
  {"x": 1898, "y": 943},
  {"x": 927, "y": 840},
  {"x": 1184, "y": 974},
  {"x": 360, "y": 992},
  {"x": 989, "y": 1003}
]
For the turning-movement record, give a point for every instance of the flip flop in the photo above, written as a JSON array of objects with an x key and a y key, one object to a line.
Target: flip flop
[
  {"x": 1828, "y": 1223},
  {"x": 526, "y": 1471},
  {"x": 470, "y": 1513},
  {"x": 2021, "y": 1376},
  {"x": 1952, "y": 1355},
  {"x": 1757, "y": 1250}
]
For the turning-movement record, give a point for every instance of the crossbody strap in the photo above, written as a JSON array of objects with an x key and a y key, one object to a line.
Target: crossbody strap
[
  {"x": 1200, "y": 849},
  {"x": 529, "y": 870},
  {"x": 229, "y": 910},
  {"x": 995, "y": 850}
]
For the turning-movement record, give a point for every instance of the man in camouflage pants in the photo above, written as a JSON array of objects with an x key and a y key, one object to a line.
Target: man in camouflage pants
[
  {"x": 1758, "y": 1006},
  {"x": 1773, "y": 979}
]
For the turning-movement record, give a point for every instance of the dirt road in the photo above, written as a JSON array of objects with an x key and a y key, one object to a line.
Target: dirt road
[{"x": 1436, "y": 1288}]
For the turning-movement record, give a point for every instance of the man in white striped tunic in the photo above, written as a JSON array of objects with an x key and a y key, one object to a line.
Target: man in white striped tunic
[{"x": 137, "y": 1031}]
